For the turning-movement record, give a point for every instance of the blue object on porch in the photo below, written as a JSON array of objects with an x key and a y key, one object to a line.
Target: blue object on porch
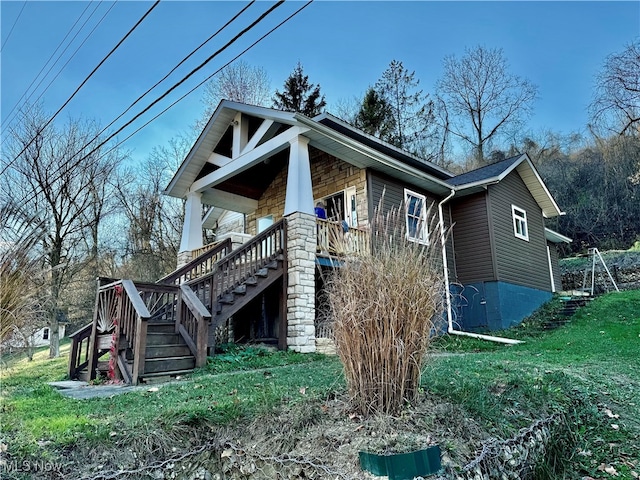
[{"x": 403, "y": 466}]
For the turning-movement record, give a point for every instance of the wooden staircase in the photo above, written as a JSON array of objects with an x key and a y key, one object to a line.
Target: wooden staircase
[{"x": 167, "y": 329}]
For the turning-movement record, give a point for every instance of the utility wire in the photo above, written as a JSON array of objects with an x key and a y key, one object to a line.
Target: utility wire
[
  {"x": 75, "y": 51},
  {"x": 170, "y": 72},
  {"x": 176, "y": 85},
  {"x": 189, "y": 92},
  {"x": 82, "y": 84},
  {"x": 13, "y": 26},
  {"x": 49, "y": 59},
  {"x": 208, "y": 78}
]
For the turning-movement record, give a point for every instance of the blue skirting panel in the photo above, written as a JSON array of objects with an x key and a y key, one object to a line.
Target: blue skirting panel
[{"x": 490, "y": 306}]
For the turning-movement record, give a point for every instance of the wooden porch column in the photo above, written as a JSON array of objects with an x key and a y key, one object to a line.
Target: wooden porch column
[
  {"x": 299, "y": 189},
  {"x": 191, "y": 228}
]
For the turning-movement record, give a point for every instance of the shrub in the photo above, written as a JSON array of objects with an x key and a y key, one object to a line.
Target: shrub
[{"x": 383, "y": 305}]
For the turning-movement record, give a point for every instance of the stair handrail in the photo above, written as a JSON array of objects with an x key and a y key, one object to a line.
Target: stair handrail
[
  {"x": 199, "y": 266},
  {"x": 220, "y": 281},
  {"x": 76, "y": 364},
  {"x": 192, "y": 323}
]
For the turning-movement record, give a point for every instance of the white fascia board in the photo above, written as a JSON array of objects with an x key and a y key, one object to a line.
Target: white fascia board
[
  {"x": 370, "y": 152},
  {"x": 555, "y": 208},
  {"x": 194, "y": 149},
  {"x": 357, "y": 131},
  {"x": 249, "y": 159},
  {"x": 555, "y": 237},
  {"x": 263, "y": 112}
]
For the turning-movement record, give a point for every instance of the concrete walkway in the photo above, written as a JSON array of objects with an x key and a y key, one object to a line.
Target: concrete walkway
[{"x": 82, "y": 390}]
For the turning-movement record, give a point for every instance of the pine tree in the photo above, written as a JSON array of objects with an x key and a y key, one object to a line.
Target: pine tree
[
  {"x": 299, "y": 95},
  {"x": 375, "y": 116}
]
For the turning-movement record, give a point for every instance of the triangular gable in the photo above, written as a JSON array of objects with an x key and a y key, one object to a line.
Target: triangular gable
[{"x": 479, "y": 179}]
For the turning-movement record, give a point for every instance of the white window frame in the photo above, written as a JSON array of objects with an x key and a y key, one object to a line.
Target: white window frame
[
  {"x": 520, "y": 224},
  {"x": 423, "y": 234}
]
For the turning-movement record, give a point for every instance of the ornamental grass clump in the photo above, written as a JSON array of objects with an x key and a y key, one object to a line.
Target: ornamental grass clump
[{"x": 384, "y": 304}]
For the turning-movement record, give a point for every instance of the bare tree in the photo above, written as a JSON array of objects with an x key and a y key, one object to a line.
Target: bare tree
[
  {"x": 57, "y": 178},
  {"x": 239, "y": 82},
  {"x": 482, "y": 97},
  {"x": 154, "y": 220},
  {"x": 616, "y": 103},
  {"x": 23, "y": 306},
  {"x": 405, "y": 112}
]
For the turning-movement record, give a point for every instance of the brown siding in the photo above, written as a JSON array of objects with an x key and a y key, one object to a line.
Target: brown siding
[
  {"x": 394, "y": 198},
  {"x": 518, "y": 261},
  {"x": 474, "y": 261},
  {"x": 555, "y": 265}
]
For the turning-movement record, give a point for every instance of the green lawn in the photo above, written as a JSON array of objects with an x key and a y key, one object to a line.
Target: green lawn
[{"x": 587, "y": 369}]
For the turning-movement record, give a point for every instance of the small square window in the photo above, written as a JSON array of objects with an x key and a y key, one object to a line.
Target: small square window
[
  {"x": 520, "y": 228},
  {"x": 45, "y": 334}
]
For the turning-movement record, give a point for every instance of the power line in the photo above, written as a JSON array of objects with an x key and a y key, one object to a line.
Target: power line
[
  {"x": 49, "y": 59},
  {"x": 95, "y": 27},
  {"x": 13, "y": 26},
  {"x": 184, "y": 96},
  {"x": 170, "y": 72},
  {"x": 176, "y": 85},
  {"x": 208, "y": 78},
  {"x": 83, "y": 82}
]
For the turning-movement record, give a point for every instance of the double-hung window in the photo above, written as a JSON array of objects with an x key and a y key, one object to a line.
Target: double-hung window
[
  {"x": 520, "y": 228},
  {"x": 416, "y": 216}
]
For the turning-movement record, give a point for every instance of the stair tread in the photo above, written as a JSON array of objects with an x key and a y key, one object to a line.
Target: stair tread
[
  {"x": 181, "y": 357},
  {"x": 169, "y": 373}
]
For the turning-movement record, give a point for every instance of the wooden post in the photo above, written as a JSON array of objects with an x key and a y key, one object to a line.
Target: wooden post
[
  {"x": 93, "y": 347},
  {"x": 202, "y": 340},
  {"x": 139, "y": 349}
]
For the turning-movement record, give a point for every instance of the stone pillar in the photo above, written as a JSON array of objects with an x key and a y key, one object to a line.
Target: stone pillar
[
  {"x": 192, "y": 226},
  {"x": 301, "y": 288}
]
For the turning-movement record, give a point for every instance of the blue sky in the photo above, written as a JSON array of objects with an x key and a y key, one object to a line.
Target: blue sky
[{"x": 343, "y": 46}]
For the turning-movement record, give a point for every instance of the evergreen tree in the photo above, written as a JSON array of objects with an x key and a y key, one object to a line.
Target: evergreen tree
[
  {"x": 299, "y": 95},
  {"x": 375, "y": 116}
]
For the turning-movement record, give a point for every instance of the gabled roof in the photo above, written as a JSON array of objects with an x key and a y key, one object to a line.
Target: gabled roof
[
  {"x": 350, "y": 131},
  {"x": 325, "y": 132},
  {"x": 487, "y": 173},
  {"x": 477, "y": 180}
]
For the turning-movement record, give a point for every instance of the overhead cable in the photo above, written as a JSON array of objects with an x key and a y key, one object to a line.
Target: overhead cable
[{"x": 155, "y": 4}]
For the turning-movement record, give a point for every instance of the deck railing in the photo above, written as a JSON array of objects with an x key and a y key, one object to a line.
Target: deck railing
[
  {"x": 335, "y": 238},
  {"x": 203, "y": 262},
  {"x": 123, "y": 311},
  {"x": 241, "y": 264},
  {"x": 79, "y": 355}
]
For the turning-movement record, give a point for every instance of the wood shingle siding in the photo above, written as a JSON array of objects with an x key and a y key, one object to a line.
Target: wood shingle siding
[
  {"x": 518, "y": 261},
  {"x": 472, "y": 242}
]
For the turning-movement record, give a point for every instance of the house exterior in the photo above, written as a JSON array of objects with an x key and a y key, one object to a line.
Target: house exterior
[{"x": 252, "y": 167}]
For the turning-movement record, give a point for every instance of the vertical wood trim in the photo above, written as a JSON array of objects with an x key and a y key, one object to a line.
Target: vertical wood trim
[{"x": 553, "y": 282}]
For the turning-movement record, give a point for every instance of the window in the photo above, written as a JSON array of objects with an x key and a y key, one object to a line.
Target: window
[
  {"x": 45, "y": 334},
  {"x": 520, "y": 228},
  {"x": 415, "y": 205}
]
